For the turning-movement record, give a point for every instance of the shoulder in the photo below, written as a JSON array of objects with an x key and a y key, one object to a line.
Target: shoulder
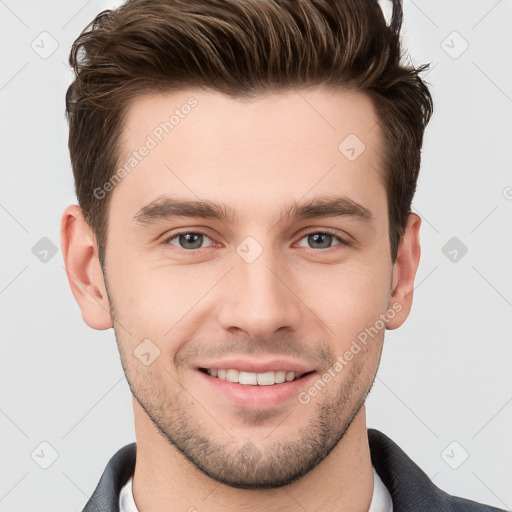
[
  {"x": 408, "y": 484},
  {"x": 117, "y": 472}
]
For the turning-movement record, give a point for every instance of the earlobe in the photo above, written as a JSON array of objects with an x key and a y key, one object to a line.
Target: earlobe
[
  {"x": 83, "y": 268},
  {"x": 404, "y": 272}
]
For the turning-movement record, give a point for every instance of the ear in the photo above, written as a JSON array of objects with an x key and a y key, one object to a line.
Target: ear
[
  {"x": 404, "y": 272},
  {"x": 83, "y": 268}
]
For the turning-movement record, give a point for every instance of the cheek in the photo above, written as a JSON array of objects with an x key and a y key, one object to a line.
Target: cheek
[
  {"x": 149, "y": 300},
  {"x": 348, "y": 298}
]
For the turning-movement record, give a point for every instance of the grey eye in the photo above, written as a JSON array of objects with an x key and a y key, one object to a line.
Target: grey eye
[
  {"x": 320, "y": 240},
  {"x": 188, "y": 240}
]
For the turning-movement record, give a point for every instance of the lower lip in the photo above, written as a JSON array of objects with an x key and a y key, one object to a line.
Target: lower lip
[{"x": 258, "y": 397}]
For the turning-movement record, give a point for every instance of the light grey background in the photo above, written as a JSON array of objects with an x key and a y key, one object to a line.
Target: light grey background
[{"x": 444, "y": 376}]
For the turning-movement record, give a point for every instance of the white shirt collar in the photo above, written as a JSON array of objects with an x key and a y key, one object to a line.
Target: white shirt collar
[{"x": 381, "y": 499}]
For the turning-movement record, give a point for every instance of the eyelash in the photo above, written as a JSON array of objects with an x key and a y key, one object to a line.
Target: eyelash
[{"x": 166, "y": 241}]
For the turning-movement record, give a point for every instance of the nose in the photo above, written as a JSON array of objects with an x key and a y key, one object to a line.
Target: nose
[{"x": 259, "y": 298}]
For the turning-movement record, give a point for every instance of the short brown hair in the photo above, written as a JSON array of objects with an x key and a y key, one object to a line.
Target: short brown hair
[{"x": 241, "y": 48}]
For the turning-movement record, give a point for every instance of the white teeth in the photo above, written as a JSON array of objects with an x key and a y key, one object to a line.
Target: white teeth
[
  {"x": 232, "y": 375},
  {"x": 280, "y": 377},
  {"x": 253, "y": 379},
  {"x": 266, "y": 379},
  {"x": 290, "y": 376},
  {"x": 247, "y": 378}
]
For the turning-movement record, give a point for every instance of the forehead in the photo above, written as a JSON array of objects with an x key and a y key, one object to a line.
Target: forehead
[
  {"x": 329, "y": 113},
  {"x": 267, "y": 150}
]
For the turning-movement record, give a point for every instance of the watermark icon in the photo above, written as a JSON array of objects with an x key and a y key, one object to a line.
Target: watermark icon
[
  {"x": 248, "y": 453},
  {"x": 44, "y": 45},
  {"x": 146, "y": 352},
  {"x": 44, "y": 250},
  {"x": 455, "y": 455},
  {"x": 351, "y": 147},
  {"x": 454, "y": 45},
  {"x": 249, "y": 249},
  {"x": 152, "y": 140},
  {"x": 454, "y": 249},
  {"x": 44, "y": 455},
  {"x": 304, "y": 397}
]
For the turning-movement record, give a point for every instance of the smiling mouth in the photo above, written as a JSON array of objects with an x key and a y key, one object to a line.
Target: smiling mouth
[{"x": 253, "y": 379}]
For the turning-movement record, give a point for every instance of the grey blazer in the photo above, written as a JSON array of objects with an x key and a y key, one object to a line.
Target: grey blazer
[{"x": 410, "y": 488}]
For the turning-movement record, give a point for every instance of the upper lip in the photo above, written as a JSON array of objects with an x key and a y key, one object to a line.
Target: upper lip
[{"x": 255, "y": 366}]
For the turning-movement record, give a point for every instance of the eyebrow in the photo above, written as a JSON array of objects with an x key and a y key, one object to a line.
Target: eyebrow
[{"x": 167, "y": 206}]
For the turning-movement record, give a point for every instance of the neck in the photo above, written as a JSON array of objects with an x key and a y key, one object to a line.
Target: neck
[{"x": 165, "y": 480}]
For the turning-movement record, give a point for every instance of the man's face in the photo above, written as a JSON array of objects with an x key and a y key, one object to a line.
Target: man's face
[{"x": 261, "y": 292}]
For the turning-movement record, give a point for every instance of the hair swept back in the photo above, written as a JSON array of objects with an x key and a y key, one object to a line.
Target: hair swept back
[{"x": 242, "y": 48}]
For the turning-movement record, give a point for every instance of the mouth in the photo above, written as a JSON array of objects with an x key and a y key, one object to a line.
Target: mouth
[
  {"x": 269, "y": 378},
  {"x": 256, "y": 391}
]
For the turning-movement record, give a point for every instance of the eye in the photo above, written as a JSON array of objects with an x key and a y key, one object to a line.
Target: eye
[
  {"x": 322, "y": 240},
  {"x": 187, "y": 240}
]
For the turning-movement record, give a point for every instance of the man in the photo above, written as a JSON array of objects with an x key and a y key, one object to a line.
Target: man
[{"x": 244, "y": 172}]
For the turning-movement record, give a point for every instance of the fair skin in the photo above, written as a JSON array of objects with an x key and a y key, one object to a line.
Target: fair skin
[{"x": 300, "y": 303}]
